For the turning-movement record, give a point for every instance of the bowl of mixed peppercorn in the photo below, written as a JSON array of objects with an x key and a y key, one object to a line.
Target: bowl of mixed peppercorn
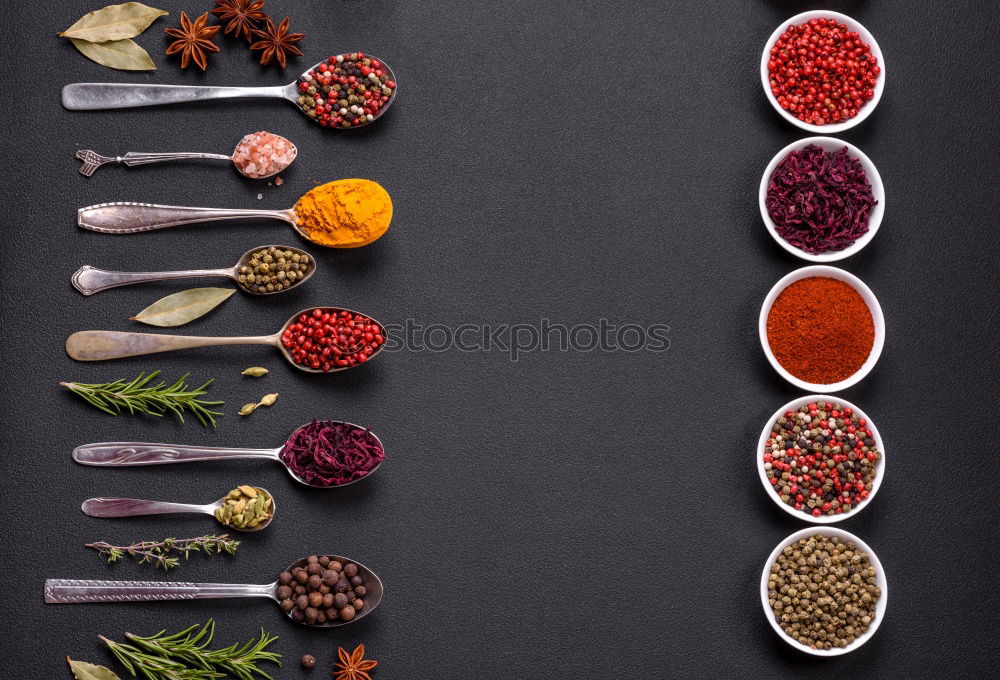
[
  {"x": 822, "y": 71},
  {"x": 820, "y": 458}
]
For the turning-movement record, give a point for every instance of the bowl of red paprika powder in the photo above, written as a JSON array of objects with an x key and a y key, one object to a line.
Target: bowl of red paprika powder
[
  {"x": 823, "y": 48},
  {"x": 862, "y": 439},
  {"x": 821, "y": 328},
  {"x": 840, "y": 202}
]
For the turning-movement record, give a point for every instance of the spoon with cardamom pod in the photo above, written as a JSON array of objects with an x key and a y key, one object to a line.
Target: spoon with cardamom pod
[
  {"x": 245, "y": 508},
  {"x": 264, "y": 270},
  {"x": 343, "y": 92},
  {"x": 338, "y": 591},
  {"x": 259, "y": 155},
  {"x": 346, "y": 213},
  {"x": 323, "y": 454},
  {"x": 317, "y": 340}
]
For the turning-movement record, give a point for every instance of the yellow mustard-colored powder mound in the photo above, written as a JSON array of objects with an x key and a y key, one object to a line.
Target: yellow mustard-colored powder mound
[{"x": 346, "y": 213}]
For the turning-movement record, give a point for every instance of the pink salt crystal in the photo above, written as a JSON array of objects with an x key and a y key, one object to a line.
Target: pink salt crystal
[{"x": 255, "y": 157}]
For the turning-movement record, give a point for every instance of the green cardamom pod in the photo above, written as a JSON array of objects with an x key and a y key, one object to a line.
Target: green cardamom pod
[
  {"x": 218, "y": 513},
  {"x": 248, "y": 409},
  {"x": 255, "y": 372},
  {"x": 268, "y": 399},
  {"x": 248, "y": 491}
]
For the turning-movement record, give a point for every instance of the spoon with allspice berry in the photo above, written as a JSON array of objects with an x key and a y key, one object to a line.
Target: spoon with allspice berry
[
  {"x": 264, "y": 270},
  {"x": 346, "y": 91},
  {"x": 324, "y": 591}
]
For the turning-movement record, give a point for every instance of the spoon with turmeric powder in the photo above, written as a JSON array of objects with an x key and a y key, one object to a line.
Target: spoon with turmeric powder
[
  {"x": 315, "y": 340},
  {"x": 346, "y": 213}
]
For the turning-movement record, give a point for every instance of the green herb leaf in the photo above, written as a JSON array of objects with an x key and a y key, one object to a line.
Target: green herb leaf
[
  {"x": 124, "y": 55},
  {"x": 89, "y": 671},
  {"x": 139, "y": 396},
  {"x": 180, "y": 308},
  {"x": 114, "y": 22}
]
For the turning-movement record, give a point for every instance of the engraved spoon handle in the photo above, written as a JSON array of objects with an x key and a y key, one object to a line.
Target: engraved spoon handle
[
  {"x": 124, "y": 454},
  {"x": 132, "y": 507},
  {"x": 89, "y": 280},
  {"x": 91, "y": 96},
  {"x": 142, "y": 158},
  {"x": 74, "y": 591},
  {"x": 102, "y": 345},
  {"x": 130, "y": 218}
]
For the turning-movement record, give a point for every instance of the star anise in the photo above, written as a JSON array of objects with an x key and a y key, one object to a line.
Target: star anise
[
  {"x": 277, "y": 43},
  {"x": 242, "y": 15},
  {"x": 354, "y": 666},
  {"x": 194, "y": 40}
]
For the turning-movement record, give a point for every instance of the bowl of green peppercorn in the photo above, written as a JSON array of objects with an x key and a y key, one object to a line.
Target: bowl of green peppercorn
[{"x": 847, "y": 588}]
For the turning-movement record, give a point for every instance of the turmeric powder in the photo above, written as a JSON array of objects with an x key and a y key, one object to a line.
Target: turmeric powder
[{"x": 346, "y": 213}]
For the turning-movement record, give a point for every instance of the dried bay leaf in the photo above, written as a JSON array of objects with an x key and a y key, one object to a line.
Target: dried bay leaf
[
  {"x": 180, "y": 308},
  {"x": 125, "y": 55},
  {"x": 114, "y": 22},
  {"x": 89, "y": 671}
]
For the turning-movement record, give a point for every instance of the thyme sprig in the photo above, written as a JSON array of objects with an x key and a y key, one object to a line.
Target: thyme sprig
[
  {"x": 137, "y": 396},
  {"x": 185, "y": 655},
  {"x": 158, "y": 553}
]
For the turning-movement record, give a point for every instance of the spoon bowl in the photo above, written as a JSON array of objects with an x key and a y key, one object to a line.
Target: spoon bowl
[
  {"x": 129, "y": 454},
  {"x": 89, "y": 280},
  {"x": 96, "y": 96},
  {"x": 86, "y": 591},
  {"x": 103, "y": 345},
  {"x": 133, "y": 507}
]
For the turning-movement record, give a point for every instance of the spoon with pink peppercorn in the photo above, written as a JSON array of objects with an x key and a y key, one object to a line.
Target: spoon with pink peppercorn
[
  {"x": 259, "y": 155},
  {"x": 345, "y": 91}
]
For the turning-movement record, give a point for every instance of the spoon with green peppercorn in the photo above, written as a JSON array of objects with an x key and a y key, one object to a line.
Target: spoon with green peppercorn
[
  {"x": 308, "y": 591},
  {"x": 245, "y": 508},
  {"x": 264, "y": 270}
]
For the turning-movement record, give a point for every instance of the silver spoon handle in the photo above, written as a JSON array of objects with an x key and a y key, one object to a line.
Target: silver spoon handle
[
  {"x": 102, "y": 345},
  {"x": 130, "y": 218},
  {"x": 142, "y": 158},
  {"x": 132, "y": 507},
  {"x": 74, "y": 591},
  {"x": 90, "y": 96},
  {"x": 89, "y": 280},
  {"x": 124, "y": 454}
]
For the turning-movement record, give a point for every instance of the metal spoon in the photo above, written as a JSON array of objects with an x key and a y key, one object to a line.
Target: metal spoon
[
  {"x": 93, "y": 160},
  {"x": 103, "y": 345},
  {"x": 73, "y": 591},
  {"x": 129, "y": 454},
  {"x": 124, "y": 217},
  {"x": 89, "y": 280},
  {"x": 91, "y": 96},
  {"x": 133, "y": 507}
]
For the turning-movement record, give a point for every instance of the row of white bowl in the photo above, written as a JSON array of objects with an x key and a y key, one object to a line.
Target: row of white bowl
[{"x": 875, "y": 220}]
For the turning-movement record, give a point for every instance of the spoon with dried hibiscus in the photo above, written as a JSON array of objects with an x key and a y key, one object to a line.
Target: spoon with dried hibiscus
[
  {"x": 259, "y": 155},
  {"x": 346, "y": 91},
  {"x": 335, "y": 591}
]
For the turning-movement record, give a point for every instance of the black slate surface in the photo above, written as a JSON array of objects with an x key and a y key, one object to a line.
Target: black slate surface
[{"x": 571, "y": 514}]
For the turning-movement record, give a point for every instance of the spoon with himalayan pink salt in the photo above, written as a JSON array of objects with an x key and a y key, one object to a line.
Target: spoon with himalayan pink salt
[{"x": 259, "y": 155}]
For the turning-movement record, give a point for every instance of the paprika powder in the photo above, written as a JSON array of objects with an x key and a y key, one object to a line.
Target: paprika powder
[{"x": 820, "y": 330}]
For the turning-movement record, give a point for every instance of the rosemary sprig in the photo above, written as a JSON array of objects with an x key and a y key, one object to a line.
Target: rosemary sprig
[
  {"x": 158, "y": 553},
  {"x": 137, "y": 396},
  {"x": 185, "y": 655}
]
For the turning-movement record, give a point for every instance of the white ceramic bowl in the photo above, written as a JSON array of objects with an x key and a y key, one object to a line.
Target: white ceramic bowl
[
  {"x": 765, "y": 434},
  {"x": 867, "y": 295},
  {"x": 874, "y": 218},
  {"x": 853, "y": 25},
  {"x": 880, "y": 580}
]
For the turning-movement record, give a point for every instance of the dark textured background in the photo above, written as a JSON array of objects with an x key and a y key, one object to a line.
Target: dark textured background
[{"x": 570, "y": 515}]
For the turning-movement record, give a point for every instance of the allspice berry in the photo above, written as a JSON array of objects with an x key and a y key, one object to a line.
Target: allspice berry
[{"x": 308, "y": 661}]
